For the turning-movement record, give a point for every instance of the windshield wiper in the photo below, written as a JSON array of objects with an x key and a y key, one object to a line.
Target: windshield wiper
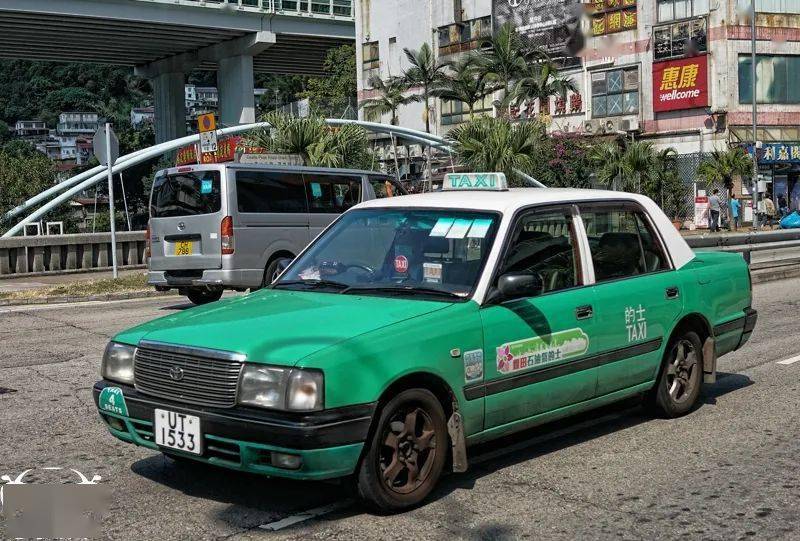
[
  {"x": 404, "y": 290},
  {"x": 314, "y": 284}
]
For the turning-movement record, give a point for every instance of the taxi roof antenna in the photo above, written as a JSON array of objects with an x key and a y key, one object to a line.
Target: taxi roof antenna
[{"x": 529, "y": 179}]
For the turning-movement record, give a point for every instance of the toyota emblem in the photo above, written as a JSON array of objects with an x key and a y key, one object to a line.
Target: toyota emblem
[
  {"x": 181, "y": 226},
  {"x": 176, "y": 373}
]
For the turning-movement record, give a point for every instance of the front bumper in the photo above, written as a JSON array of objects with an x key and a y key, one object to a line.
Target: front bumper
[
  {"x": 208, "y": 278},
  {"x": 329, "y": 442}
]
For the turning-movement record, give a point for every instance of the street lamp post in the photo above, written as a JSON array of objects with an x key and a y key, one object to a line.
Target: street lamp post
[{"x": 754, "y": 182}]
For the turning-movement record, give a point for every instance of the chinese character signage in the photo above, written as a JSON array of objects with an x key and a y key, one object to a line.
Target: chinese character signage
[
  {"x": 777, "y": 153},
  {"x": 226, "y": 152},
  {"x": 611, "y": 16},
  {"x": 680, "y": 84}
]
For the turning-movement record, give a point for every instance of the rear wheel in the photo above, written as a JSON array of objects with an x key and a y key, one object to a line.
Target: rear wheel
[
  {"x": 203, "y": 295},
  {"x": 406, "y": 454},
  {"x": 681, "y": 377}
]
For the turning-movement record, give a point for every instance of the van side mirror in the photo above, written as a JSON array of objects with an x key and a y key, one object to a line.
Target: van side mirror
[{"x": 519, "y": 285}]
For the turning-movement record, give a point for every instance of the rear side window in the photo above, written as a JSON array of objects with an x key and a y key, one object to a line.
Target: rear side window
[
  {"x": 623, "y": 243},
  {"x": 329, "y": 194},
  {"x": 270, "y": 192},
  {"x": 385, "y": 187},
  {"x": 186, "y": 194}
]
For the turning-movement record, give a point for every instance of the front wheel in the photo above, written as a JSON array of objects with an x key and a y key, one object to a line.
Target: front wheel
[
  {"x": 406, "y": 454},
  {"x": 678, "y": 385},
  {"x": 203, "y": 295}
]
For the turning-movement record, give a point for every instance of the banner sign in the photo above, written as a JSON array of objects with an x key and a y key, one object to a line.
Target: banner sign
[
  {"x": 226, "y": 152},
  {"x": 680, "y": 84},
  {"x": 776, "y": 153},
  {"x": 542, "y": 23},
  {"x": 612, "y": 16}
]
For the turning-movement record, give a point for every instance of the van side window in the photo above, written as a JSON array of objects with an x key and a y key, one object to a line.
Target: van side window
[
  {"x": 385, "y": 187},
  {"x": 543, "y": 243},
  {"x": 329, "y": 194},
  {"x": 267, "y": 191},
  {"x": 622, "y": 243}
]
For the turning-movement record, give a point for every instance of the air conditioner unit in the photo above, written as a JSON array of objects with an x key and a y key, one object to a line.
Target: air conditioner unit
[
  {"x": 611, "y": 126},
  {"x": 590, "y": 127},
  {"x": 631, "y": 125}
]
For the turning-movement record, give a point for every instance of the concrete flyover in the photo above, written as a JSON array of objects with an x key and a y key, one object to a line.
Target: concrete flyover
[{"x": 165, "y": 39}]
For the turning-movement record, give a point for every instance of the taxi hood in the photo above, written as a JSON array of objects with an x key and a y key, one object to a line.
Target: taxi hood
[{"x": 278, "y": 326}]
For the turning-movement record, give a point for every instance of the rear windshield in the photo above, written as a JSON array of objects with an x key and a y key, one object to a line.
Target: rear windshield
[{"x": 186, "y": 194}]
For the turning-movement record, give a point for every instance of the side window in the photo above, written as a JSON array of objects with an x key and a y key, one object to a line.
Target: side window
[
  {"x": 544, "y": 244},
  {"x": 385, "y": 187},
  {"x": 622, "y": 243},
  {"x": 266, "y": 191},
  {"x": 328, "y": 194}
]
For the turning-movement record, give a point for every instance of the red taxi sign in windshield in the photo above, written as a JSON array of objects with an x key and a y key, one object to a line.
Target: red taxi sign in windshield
[{"x": 494, "y": 182}]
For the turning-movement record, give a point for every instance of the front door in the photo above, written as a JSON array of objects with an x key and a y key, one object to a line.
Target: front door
[
  {"x": 535, "y": 346},
  {"x": 637, "y": 294}
]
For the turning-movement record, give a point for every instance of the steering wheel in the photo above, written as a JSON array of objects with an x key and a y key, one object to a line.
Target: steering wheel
[
  {"x": 369, "y": 270},
  {"x": 337, "y": 267}
]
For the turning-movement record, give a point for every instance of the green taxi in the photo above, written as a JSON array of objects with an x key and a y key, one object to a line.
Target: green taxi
[{"x": 417, "y": 326}]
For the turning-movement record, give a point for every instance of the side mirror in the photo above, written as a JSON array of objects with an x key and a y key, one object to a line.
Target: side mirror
[{"x": 515, "y": 286}]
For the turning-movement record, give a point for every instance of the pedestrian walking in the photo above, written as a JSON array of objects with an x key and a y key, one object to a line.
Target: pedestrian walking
[
  {"x": 769, "y": 210},
  {"x": 714, "y": 209},
  {"x": 736, "y": 207}
]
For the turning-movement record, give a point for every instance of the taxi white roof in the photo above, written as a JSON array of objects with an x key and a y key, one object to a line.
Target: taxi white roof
[{"x": 513, "y": 199}]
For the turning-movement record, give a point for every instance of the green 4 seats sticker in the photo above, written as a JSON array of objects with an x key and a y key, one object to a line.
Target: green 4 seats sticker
[
  {"x": 112, "y": 401},
  {"x": 540, "y": 350}
]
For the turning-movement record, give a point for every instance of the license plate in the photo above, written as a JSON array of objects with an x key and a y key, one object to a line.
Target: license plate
[
  {"x": 183, "y": 247},
  {"x": 178, "y": 431}
]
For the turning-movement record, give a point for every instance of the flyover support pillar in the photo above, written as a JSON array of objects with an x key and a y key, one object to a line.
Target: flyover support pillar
[
  {"x": 236, "y": 90},
  {"x": 170, "y": 105}
]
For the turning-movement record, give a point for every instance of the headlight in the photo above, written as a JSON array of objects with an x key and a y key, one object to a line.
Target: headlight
[
  {"x": 274, "y": 387},
  {"x": 118, "y": 362}
]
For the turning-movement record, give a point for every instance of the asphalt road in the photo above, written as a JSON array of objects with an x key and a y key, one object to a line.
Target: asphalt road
[{"x": 729, "y": 470}]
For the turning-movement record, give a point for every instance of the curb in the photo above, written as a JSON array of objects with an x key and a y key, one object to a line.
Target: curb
[
  {"x": 771, "y": 275},
  {"x": 89, "y": 298}
]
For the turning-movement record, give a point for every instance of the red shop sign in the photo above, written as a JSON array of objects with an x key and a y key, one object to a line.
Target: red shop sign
[{"x": 680, "y": 84}]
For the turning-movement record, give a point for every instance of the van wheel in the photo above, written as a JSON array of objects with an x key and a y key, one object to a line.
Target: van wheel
[
  {"x": 678, "y": 385},
  {"x": 406, "y": 454},
  {"x": 203, "y": 295}
]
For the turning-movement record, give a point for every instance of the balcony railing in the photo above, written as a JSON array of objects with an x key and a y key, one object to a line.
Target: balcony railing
[{"x": 315, "y": 8}]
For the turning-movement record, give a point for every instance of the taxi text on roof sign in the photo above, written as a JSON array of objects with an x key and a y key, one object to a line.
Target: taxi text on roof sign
[{"x": 475, "y": 181}]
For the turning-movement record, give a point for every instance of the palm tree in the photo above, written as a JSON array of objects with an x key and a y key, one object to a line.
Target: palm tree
[
  {"x": 426, "y": 72},
  {"x": 723, "y": 166},
  {"x": 505, "y": 60},
  {"x": 638, "y": 165},
  {"x": 389, "y": 96},
  {"x": 607, "y": 159},
  {"x": 466, "y": 84},
  {"x": 495, "y": 144},
  {"x": 541, "y": 81}
]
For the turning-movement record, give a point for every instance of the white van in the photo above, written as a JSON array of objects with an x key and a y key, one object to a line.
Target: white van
[{"x": 233, "y": 226}]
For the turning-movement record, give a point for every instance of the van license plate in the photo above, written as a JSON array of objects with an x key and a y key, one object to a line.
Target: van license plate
[
  {"x": 178, "y": 431},
  {"x": 183, "y": 247}
]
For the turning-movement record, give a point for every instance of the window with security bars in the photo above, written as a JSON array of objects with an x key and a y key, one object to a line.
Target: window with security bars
[
  {"x": 615, "y": 92},
  {"x": 673, "y": 10},
  {"x": 370, "y": 55},
  {"x": 456, "y": 112},
  {"x": 680, "y": 38},
  {"x": 464, "y": 36}
]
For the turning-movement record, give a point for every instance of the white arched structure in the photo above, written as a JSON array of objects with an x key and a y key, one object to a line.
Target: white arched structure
[{"x": 74, "y": 185}]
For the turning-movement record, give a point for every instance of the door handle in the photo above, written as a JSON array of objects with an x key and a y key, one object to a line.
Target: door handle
[
  {"x": 672, "y": 292},
  {"x": 584, "y": 312}
]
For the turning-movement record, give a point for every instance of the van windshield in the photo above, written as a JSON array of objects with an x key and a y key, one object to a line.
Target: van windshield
[
  {"x": 186, "y": 194},
  {"x": 393, "y": 252}
]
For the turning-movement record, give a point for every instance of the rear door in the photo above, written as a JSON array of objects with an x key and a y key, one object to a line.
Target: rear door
[
  {"x": 186, "y": 211},
  {"x": 271, "y": 215},
  {"x": 329, "y": 196},
  {"x": 637, "y": 293}
]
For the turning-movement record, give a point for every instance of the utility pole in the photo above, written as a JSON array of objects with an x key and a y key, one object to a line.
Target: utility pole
[
  {"x": 754, "y": 182},
  {"x": 111, "y": 159}
]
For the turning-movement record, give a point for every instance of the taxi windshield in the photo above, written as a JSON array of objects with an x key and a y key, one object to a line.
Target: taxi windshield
[{"x": 397, "y": 252}]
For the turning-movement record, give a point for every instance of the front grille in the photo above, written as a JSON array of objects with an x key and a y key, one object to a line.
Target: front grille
[{"x": 205, "y": 381}]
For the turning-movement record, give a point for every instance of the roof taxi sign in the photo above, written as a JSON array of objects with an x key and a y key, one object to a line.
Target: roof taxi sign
[{"x": 495, "y": 182}]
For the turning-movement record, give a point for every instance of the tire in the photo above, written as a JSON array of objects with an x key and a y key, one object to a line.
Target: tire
[
  {"x": 203, "y": 296},
  {"x": 406, "y": 454},
  {"x": 678, "y": 386},
  {"x": 270, "y": 273}
]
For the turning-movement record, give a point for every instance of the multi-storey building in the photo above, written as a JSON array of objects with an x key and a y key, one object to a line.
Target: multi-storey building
[
  {"x": 31, "y": 130},
  {"x": 673, "y": 72},
  {"x": 78, "y": 124}
]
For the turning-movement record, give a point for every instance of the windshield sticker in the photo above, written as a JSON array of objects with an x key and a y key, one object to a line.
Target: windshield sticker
[
  {"x": 432, "y": 272},
  {"x": 636, "y": 323},
  {"x": 473, "y": 365},
  {"x": 442, "y": 227},
  {"x": 401, "y": 264},
  {"x": 459, "y": 229},
  {"x": 206, "y": 186},
  {"x": 311, "y": 273},
  {"x": 316, "y": 189},
  {"x": 479, "y": 229},
  {"x": 541, "y": 350}
]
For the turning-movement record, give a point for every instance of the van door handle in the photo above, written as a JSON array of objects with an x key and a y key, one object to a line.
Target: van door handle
[
  {"x": 672, "y": 292},
  {"x": 584, "y": 312}
]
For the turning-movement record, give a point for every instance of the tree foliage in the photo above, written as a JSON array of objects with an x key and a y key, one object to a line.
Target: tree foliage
[
  {"x": 331, "y": 95},
  {"x": 723, "y": 165},
  {"x": 388, "y": 97},
  {"x": 426, "y": 72}
]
